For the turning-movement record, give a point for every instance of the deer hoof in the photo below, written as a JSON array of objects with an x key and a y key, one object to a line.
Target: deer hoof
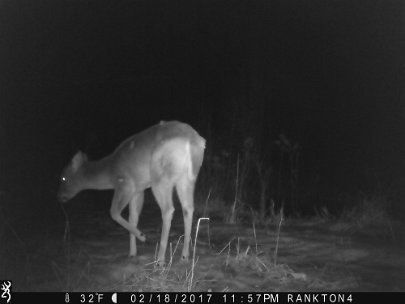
[
  {"x": 184, "y": 259},
  {"x": 160, "y": 264},
  {"x": 142, "y": 237}
]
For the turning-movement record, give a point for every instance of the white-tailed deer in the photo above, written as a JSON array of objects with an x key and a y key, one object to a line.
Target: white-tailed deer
[{"x": 162, "y": 157}]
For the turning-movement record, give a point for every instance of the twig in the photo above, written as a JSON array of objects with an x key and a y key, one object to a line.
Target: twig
[
  {"x": 194, "y": 250},
  {"x": 227, "y": 245},
  {"x": 66, "y": 244},
  {"x": 278, "y": 236},
  {"x": 254, "y": 234},
  {"x": 205, "y": 215},
  {"x": 232, "y": 220},
  {"x": 206, "y": 203}
]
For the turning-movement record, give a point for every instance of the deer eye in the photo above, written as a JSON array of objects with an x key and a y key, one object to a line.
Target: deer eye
[{"x": 63, "y": 179}]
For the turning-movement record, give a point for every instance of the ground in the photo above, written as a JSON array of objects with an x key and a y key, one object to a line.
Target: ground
[{"x": 316, "y": 254}]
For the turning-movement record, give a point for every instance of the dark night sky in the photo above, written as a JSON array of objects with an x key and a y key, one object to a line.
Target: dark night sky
[{"x": 87, "y": 74}]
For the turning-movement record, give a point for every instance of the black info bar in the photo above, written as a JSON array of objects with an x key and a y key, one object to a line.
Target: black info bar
[{"x": 203, "y": 297}]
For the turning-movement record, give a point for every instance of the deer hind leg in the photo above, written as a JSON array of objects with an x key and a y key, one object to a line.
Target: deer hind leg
[
  {"x": 163, "y": 193},
  {"x": 135, "y": 208},
  {"x": 185, "y": 192},
  {"x": 122, "y": 196}
]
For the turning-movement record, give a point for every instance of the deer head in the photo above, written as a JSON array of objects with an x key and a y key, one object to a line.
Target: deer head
[{"x": 70, "y": 179}]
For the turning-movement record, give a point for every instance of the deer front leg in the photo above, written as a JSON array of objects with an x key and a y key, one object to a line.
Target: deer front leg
[
  {"x": 135, "y": 208},
  {"x": 121, "y": 198}
]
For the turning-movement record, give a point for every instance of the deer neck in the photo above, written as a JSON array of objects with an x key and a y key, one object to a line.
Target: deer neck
[{"x": 96, "y": 174}]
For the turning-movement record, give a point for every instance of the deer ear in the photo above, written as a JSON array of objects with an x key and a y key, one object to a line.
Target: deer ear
[
  {"x": 78, "y": 160},
  {"x": 84, "y": 156}
]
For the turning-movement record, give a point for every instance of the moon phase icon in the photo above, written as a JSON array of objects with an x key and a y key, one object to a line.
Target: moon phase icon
[{"x": 114, "y": 297}]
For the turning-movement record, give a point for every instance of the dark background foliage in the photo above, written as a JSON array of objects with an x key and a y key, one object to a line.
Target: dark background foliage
[{"x": 87, "y": 74}]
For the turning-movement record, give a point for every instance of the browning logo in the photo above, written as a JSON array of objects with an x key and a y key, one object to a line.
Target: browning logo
[{"x": 5, "y": 289}]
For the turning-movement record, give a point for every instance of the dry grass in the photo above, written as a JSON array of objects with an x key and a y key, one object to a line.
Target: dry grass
[
  {"x": 251, "y": 262},
  {"x": 369, "y": 211},
  {"x": 366, "y": 214},
  {"x": 254, "y": 259}
]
